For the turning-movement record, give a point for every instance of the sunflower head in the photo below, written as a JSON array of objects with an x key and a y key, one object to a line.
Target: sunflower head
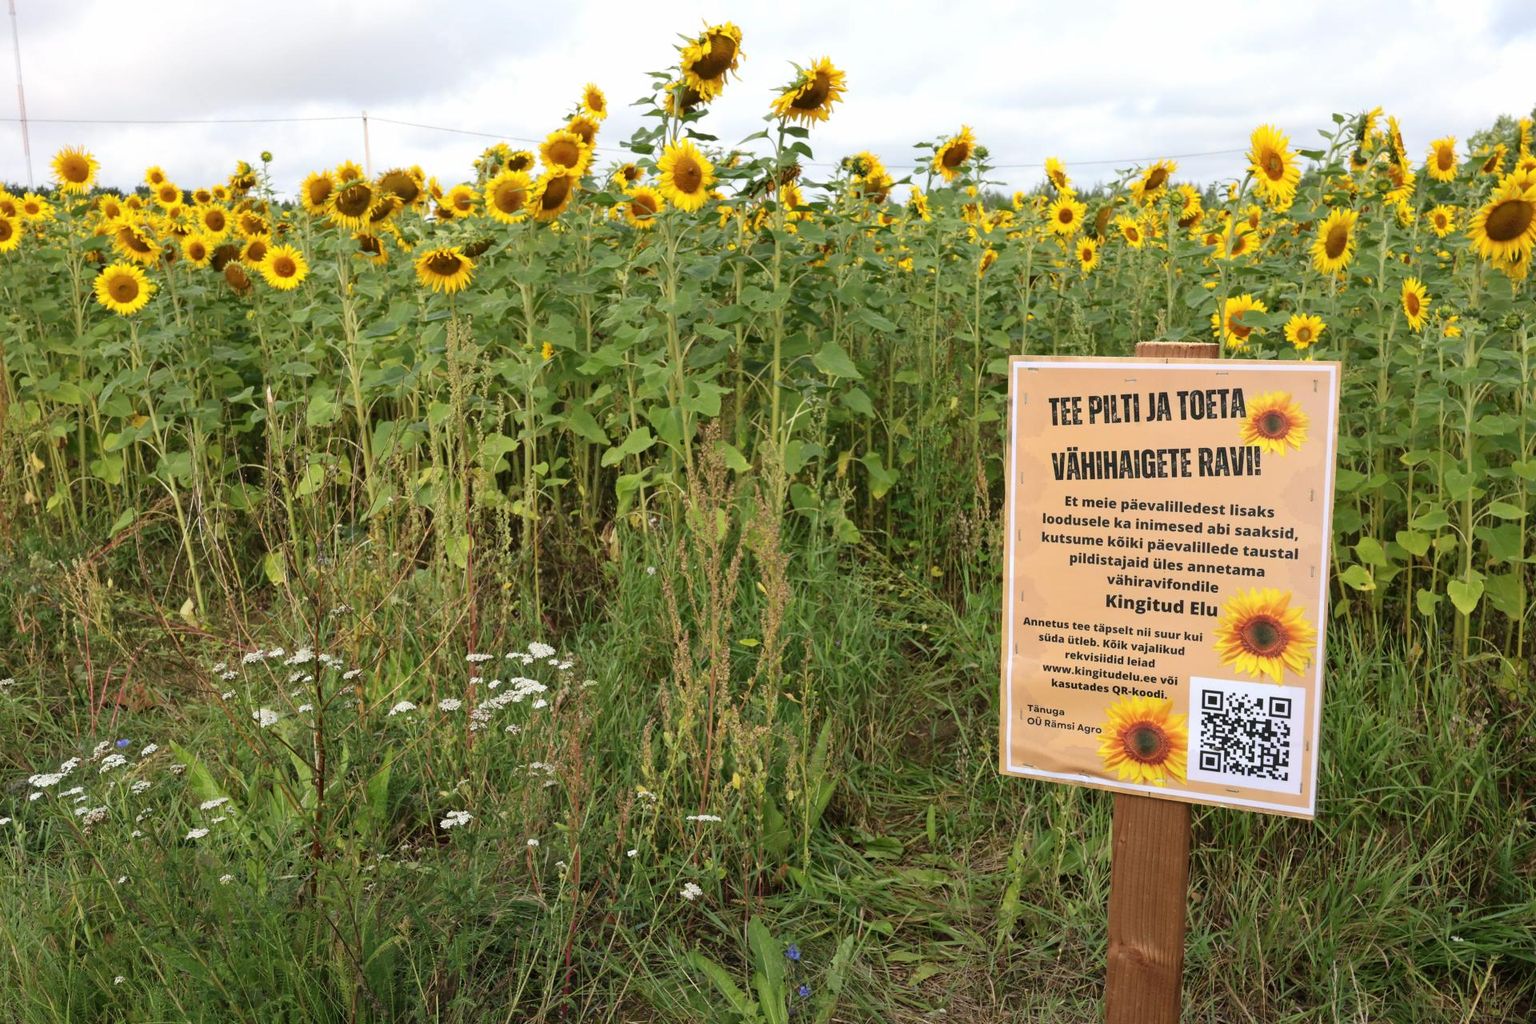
[
  {"x": 1442, "y": 159},
  {"x": 402, "y": 183},
  {"x": 10, "y": 234},
  {"x": 1274, "y": 169},
  {"x": 709, "y": 58},
  {"x": 74, "y": 169},
  {"x": 507, "y": 196},
  {"x": 1263, "y": 635},
  {"x": 351, "y": 203},
  {"x": 284, "y": 267},
  {"x": 1056, "y": 174},
  {"x": 1304, "y": 331},
  {"x": 123, "y": 288},
  {"x": 565, "y": 151},
  {"x": 1415, "y": 302},
  {"x": 1442, "y": 220},
  {"x": 1275, "y": 422},
  {"x": 1334, "y": 246},
  {"x": 446, "y": 270},
  {"x": 1229, "y": 325},
  {"x": 810, "y": 96},
  {"x": 593, "y": 103},
  {"x": 1504, "y": 229},
  {"x": 553, "y": 192},
  {"x": 1153, "y": 181},
  {"x": 1065, "y": 216},
  {"x": 1087, "y": 254},
  {"x": 955, "y": 152},
  {"x": 685, "y": 176},
  {"x": 645, "y": 203},
  {"x": 1144, "y": 742},
  {"x": 197, "y": 250}
]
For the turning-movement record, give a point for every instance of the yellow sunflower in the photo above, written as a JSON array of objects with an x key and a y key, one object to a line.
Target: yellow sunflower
[
  {"x": 402, "y": 182},
  {"x": 1189, "y": 205},
  {"x": 1442, "y": 220},
  {"x": 347, "y": 171},
  {"x": 950, "y": 158},
  {"x": 1415, "y": 302},
  {"x": 1493, "y": 163},
  {"x": 36, "y": 209},
  {"x": 1066, "y": 215},
  {"x": 371, "y": 248},
  {"x": 351, "y": 203},
  {"x": 507, "y": 196},
  {"x": 520, "y": 160},
  {"x": 1273, "y": 166},
  {"x": 154, "y": 177},
  {"x": 284, "y": 268},
  {"x": 123, "y": 288},
  {"x": 1153, "y": 181},
  {"x": 643, "y": 206},
  {"x": 1144, "y": 742},
  {"x": 316, "y": 193},
  {"x": 708, "y": 59},
  {"x": 593, "y": 103},
  {"x": 1056, "y": 173},
  {"x": 1442, "y": 159},
  {"x": 810, "y": 96},
  {"x": 686, "y": 176},
  {"x": 10, "y": 234},
  {"x": 444, "y": 270},
  {"x": 135, "y": 242},
  {"x": 1261, "y": 634},
  {"x": 214, "y": 221},
  {"x": 627, "y": 175},
  {"x": 1087, "y": 254},
  {"x": 1334, "y": 245},
  {"x": 74, "y": 169},
  {"x": 1304, "y": 331},
  {"x": 1228, "y": 324},
  {"x": 564, "y": 151},
  {"x": 250, "y": 224},
  {"x": 167, "y": 193},
  {"x": 197, "y": 250},
  {"x": 1505, "y": 228},
  {"x": 255, "y": 251},
  {"x": 553, "y": 193},
  {"x": 988, "y": 257},
  {"x": 1243, "y": 241},
  {"x": 1130, "y": 230},
  {"x": 1275, "y": 423}
]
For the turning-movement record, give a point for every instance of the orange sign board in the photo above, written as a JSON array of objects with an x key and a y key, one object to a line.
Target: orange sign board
[{"x": 1166, "y": 575}]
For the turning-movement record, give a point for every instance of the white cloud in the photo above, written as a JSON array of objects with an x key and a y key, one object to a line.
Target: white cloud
[{"x": 1093, "y": 81}]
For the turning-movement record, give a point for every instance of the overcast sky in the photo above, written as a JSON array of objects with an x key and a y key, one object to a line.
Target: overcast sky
[{"x": 1097, "y": 82}]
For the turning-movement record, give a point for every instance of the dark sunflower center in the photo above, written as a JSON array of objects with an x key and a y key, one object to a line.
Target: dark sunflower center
[
  {"x": 643, "y": 206},
  {"x": 133, "y": 241},
  {"x": 1146, "y": 742},
  {"x": 283, "y": 266},
  {"x": 956, "y": 154},
  {"x": 76, "y": 170},
  {"x": 444, "y": 264},
  {"x": 1509, "y": 220},
  {"x": 1411, "y": 303},
  {"x": 1066, "y": 216},
  {"x": 354, "y": 200},
  {"x": 565, "y": 153},
  {"x": 123, "y": 288},
  {"x": 714, "y": 63},
  {"x": 214, "y": 220},
  {"x": 1263, "y": 635},
  {"x": 169, "y": 194},
  {"x": 256, "y": 251},
  {"x": 1274, "y": 167},
  {"x": 1445, "y": 158},
  {"x": 7, "y": 229},
  {"x": 319, "y": 191},
  {"x": 814, "y": 94},
  {"x": 1274, "y": 422},
  {"x": 1236, "y": 326},
  {"x": 1336, "y": 242},
  {"x": 519, "y": 162},
  {"x": 509, "y": 198},
  {"x": 196, "y": 251},
  {"x": 1303, "y": 335},
  {"x": 556, "y": 191},
  {"x": 687, "y": 175},
  {"x": 399, "y": 183},
  {"x": 1155, "y": 178}
]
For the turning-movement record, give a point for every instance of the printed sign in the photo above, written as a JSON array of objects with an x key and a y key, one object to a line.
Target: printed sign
[{"x": 1166, "y": 574}]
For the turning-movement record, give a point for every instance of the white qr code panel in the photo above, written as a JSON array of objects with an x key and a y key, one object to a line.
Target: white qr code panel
[{"x": 1246, "y": 734}]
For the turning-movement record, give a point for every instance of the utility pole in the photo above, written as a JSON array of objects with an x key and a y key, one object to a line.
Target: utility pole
[
  {"x": 367, "y": 150},
  {"x": 21, "y": 97}
]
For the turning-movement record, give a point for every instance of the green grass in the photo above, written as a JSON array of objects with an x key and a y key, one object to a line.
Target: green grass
[{"x": 863, "y": 817}]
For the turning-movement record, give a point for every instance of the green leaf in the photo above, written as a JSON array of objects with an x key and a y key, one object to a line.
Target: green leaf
[
  {"x": 833, "y": 361},
  {"x": 122, "y": 522},
  {"x": 1416, "y": 544},
  {"x": 275, "y": 566},
  {"x": 1358, "y": 577},
  {"x": 734, "y": 997},
  {"x": 638, "y": 441},
  {"x": 1427, "y": 601},
  {"x": 493, "y": 448},
  {"x": 1505, "y": 510},
  {"x": 1370, "y": 551},
  {"x": 1465, "y": 594},
  {"x": 734, "y": 460},
  {"x": 881, "y": 479},
  {"x": 585, "y": 427}
]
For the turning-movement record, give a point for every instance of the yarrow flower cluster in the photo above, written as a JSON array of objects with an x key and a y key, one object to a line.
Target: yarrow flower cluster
[
  {"x": 453, "y": 819},
  {"x": 691, "y": 892}
]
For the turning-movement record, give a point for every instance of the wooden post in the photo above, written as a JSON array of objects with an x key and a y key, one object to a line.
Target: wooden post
[{"x": 1149, "y": 868}]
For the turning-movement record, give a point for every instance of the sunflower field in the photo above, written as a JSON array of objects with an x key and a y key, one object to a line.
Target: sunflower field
[{"x": 709, "y": 438}]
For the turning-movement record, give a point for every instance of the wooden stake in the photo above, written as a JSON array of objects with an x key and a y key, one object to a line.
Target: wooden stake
[{"x": 1149, "y": 869}]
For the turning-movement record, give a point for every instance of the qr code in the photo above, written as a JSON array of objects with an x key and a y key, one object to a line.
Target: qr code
[{"x": 1246, "y": 734}]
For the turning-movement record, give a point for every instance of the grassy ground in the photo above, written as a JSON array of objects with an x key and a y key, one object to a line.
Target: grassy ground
[{"x": 836, "y": 712}]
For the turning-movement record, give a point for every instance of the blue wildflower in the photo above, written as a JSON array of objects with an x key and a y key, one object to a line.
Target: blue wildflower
[
  {"x": 123, "y": 744},
  {"x": 804, "y": 991},
  {"x": 793, "y": 952}
]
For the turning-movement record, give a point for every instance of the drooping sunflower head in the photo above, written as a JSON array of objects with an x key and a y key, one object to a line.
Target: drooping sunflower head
[
  {"x": 1505, "y": 227},
  {"x": 284, "y": 267},
  {"x": 1229, "y": 324},
  {"x": 74, "y": 169},
  {"x": 1263, "y": 635},
  {"x": 1442, "y": 159},
  {"x": 371, "y": 248},
  {"x": 593, "y": 103},
  {"x": 1189, "y": 206},
  {"x": 626, "y": 176},
  {"x": 1275, "y": 422},
  {"x": 686, "y": 176},
  {"x": 519, "y": 160},
  {"x": 584, "y": 128},
  {"x": 708, "y": 59},
  {"x": 237, "y": 279},
  {"x": 446, "y": 270},
  {"x": 250, "y": 224},
  {"x": 1415, "y": 302},
  {"x": 507, "y": 196},
  {"x": 809, "y": 97},
  {"x": 383, "y": 210},
  {"x": 1153, "y": 181},
  {"x": 955, "y": 152},
  {"x": 553, "y": 192},
  {"x": 123, "y": 288},
  {"x": 1334, "y": 246},
  {"x": 1274, "y": 168},
  {"x": 1056, "y": 173},
  {"x": 565, "y": 151},
  {"x": 1144, "y": 742},
  {"x": 680, "y": 99},
  {"x": 1303, "y": 331},
  {"x": 645, "y": 203}
]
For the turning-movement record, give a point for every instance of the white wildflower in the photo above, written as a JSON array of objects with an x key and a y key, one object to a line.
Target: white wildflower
[
  {"x": 449, "y": 704},
  {"x": 5, "y": 821},
  {"x": 35, "y": 796},
  {"x": 101, "y": 748},
  {"x": 540, "y": 703},
  {"x": 111, "y": 761},
  {"x": 691, "y": 892},
  {"x": 121, "y": 880},
  {"x": 140, "y": 786},
  {"x": 302, "y": 656},
  {"x": 46, "y": 780},
  {"x": 149, "y": 749},
  {"x": 475, "y": 659},
  {"x": 227, "y": 695},
  {"x": 93, "y": 816},
  {"x": 454, "y": 819},
  {"x": 632, "y": 853},
  {"x": 69, "y": 766},
  {"x": 221, "y": 667},
  {"x": 705, "y": 817},
  {"x": 177, "y": 768},
  {"x": 226, "y": 879},
  {"x": 404, "y": 707},
  {"x": 222, "y": 817},
  {"x": 136, "y": 834},
  {"x": 306, "y": 707},
  {"x": 276, "y": 652},
  {"x": 351, "y": 674},
  {"x": 514, "y": 729},
  {"x": 196, "y": 833},
  {"x": 264, "y": 717},
  {"x": 253, "y": 657},
  {"x": 7, "y": 682},
  {"x": 73, "y": 791},
  {"x": 533, "y": 844},
  {"x": 229, "y": 676},
  {"x": 539, "y": 650},
  {"x": 650, "y": 570},
  {"x": 119, "y": 980},
  {"x": 208, "y": 805}
]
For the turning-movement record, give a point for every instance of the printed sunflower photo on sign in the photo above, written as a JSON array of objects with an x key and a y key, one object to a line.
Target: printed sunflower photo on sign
[
  {"x": 1275, "y": 423},
  {"x": 1144, "y": 742},
  {"x": 1263, "y": 635}
]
